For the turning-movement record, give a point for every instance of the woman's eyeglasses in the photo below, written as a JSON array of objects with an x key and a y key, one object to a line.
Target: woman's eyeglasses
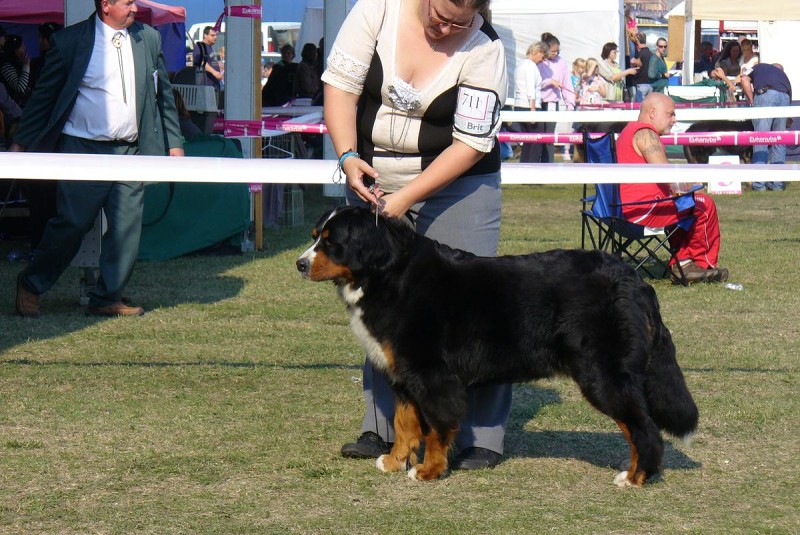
[{"x": 452, "y": 25}]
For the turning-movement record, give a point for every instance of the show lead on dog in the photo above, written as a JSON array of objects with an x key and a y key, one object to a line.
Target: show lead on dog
[
  {"x": 104, "y": 89},
  {"x": 412, "y": 102}
]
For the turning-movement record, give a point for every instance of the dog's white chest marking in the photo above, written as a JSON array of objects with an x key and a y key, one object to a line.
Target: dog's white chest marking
[{"x": 375, "y": 353}]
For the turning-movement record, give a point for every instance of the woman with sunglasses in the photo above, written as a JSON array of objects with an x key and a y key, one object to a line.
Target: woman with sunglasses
[{"x": 413, "y": 91}]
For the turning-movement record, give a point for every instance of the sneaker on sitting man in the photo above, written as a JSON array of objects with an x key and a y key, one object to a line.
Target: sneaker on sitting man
[{"x": 695, "y": 273}]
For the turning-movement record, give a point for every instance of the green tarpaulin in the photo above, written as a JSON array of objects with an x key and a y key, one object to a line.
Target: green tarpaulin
[{"x": 181, "y": 218}]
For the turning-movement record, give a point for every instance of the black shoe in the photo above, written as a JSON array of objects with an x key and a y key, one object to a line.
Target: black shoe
[
  {"x": 476, "y": 458},
  {"x": 368, "y": 446}
]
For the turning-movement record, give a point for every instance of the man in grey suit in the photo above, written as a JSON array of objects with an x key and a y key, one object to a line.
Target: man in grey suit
[{"x": 104, "y": 89}]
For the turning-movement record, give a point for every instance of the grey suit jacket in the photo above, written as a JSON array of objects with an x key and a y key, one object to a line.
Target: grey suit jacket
[{"x": 55, "y": 93}]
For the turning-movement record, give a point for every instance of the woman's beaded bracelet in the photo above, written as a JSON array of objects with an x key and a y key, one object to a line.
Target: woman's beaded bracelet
[{"x": 346, "y": 155}]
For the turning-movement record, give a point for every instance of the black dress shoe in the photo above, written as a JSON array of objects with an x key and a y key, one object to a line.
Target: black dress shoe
[
  {"x": 368, "y": 446},
  {"x": 476, "y": 458}
]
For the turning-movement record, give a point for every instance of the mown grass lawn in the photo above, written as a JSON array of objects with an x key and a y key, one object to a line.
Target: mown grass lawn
[{"x": 223, "y": 409}]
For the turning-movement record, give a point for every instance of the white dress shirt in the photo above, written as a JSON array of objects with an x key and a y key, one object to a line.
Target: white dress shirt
[{"x": 102, "y": 111}]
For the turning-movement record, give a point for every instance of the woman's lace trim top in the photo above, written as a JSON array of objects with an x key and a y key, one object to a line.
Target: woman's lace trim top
[{"x": 345, "y": 72}]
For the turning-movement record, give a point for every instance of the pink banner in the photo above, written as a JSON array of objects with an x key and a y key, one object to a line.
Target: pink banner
[
  {"x": 678, "y": 105},
  {"x": 246, "y": 12},
  {"x": 240, "y": 128},
  {"x": 710, "y": 139}
]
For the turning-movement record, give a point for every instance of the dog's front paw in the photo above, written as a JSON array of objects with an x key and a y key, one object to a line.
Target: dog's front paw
[
  {"x": 387, "y": 463},
  {"x": 422, "y": 473},
  {"x": 622, "y": 480}
]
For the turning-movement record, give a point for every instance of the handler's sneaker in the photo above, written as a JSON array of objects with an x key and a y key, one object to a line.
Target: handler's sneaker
[{"x": 368, "y": 446}]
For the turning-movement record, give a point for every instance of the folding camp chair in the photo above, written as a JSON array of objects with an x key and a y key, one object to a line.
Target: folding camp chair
[
  {"x": 604, "y": 228},
  {"x": 596, "y": 150}
]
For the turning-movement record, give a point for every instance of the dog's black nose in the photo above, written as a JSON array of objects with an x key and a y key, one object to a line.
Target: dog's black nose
[{"x": 302, "y": 265}]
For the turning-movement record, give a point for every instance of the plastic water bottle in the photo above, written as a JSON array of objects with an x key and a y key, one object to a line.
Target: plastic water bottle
[
  {"x": 734, "y": 286},
  {"x": 248, "y": 245}
]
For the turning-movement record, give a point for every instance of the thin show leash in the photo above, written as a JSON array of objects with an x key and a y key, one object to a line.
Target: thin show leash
[{"x": 338, "y": 177}]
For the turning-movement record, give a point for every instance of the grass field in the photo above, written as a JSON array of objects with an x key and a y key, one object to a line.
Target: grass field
[{"x": 223, "y": 409}]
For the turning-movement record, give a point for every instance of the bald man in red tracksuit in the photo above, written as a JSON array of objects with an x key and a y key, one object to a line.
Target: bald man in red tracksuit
[{"x": 639, "y": 142}]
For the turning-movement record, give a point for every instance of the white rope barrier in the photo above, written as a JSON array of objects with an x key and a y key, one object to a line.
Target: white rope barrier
[{"x": 41, "y": 166}]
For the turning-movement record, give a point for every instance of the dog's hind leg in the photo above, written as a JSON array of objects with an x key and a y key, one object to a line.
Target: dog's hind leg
[
  {"x": 646, "y": 452},
  {"x": 624, "y": 402},
  {"x": 408, "y": 435}
]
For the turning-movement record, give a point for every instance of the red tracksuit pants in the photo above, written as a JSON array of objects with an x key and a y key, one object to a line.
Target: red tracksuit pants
[{"x": 700, "y": 243}]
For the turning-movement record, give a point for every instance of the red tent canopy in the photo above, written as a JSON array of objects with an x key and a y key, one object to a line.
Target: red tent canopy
[{"x": 27, "y": 12}]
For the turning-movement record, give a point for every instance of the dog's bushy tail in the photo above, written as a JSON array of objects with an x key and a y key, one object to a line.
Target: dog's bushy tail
[{"x": 671, "y": 405}]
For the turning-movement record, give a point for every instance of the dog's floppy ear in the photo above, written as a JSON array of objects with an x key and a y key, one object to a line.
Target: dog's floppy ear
[{"x": 378, "y": 244}]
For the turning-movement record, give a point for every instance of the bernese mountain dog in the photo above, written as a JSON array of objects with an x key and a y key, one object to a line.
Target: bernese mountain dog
[{"x": 438, "y": 320}]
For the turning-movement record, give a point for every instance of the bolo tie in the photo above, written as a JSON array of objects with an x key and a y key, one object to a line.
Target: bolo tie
[{"x": 117, "y": 42}]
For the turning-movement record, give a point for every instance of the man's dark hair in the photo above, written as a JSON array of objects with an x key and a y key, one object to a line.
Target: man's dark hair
[
  {"x": 207, "y": 30},
  {"x": 642, "y": 38}
]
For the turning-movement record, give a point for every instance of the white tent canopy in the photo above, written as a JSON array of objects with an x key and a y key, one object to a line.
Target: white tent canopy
[
  {"x": 778, "y": 26},
  {"x": 582, "y": 26},
  {"x": 742, "y": 10},
  {"x": 313, "y": 26}
]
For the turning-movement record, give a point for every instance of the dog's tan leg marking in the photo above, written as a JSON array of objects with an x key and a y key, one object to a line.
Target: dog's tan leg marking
[
  {"x": 632, "y": 477},
  {"x": 435, "y": 463},
  {"x": 408, "y": 435}
]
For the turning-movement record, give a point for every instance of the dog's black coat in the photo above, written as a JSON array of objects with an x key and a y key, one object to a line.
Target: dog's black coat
[
  {"x": 449, "y": 320},
  {"x": 701, "y": 153}
]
